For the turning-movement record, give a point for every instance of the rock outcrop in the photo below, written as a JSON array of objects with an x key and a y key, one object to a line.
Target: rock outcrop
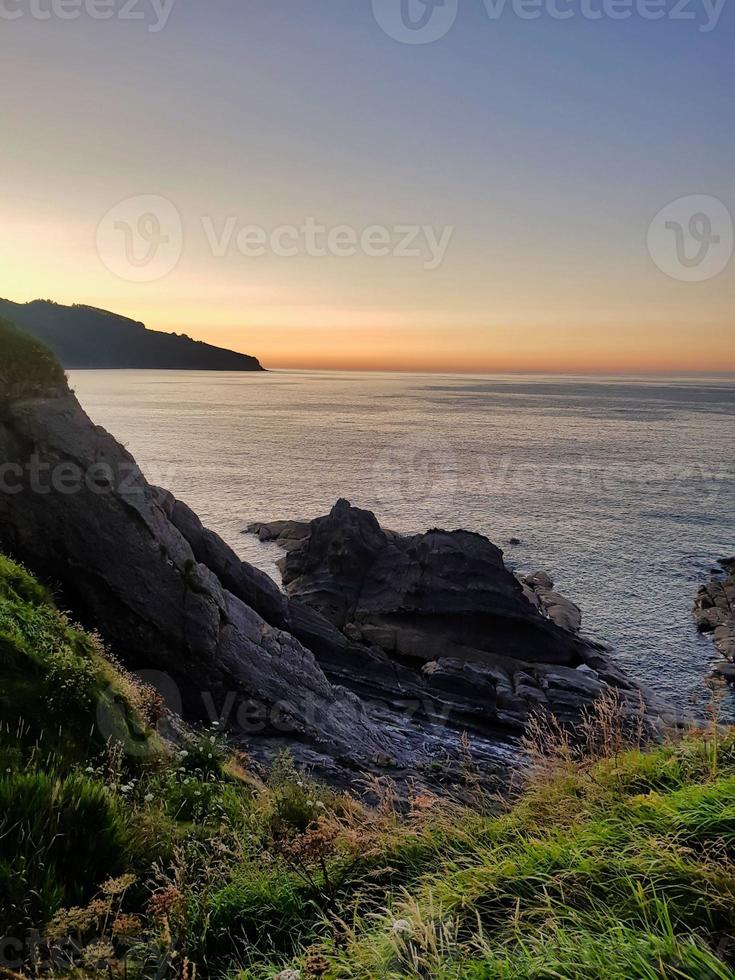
[
  {"x": 714, "y": 613},
  {"x": 438, "y": 614}
]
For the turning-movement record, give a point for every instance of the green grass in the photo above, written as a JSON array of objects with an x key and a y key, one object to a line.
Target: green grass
[
  {"x": 27, "y": 367},
  {"x": 59, "y": 838},
  {"x": 56, "y": 682},
  {"x": 618, "y": 865}
]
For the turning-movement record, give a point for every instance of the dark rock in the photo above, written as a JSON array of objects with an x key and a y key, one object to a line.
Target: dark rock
[
  {"x": 726, "y": 669},
  {"x": 254, "y": 587},
  {"x": 714, "y": 609},
  {"x": 539, "y": 580},
  {"x": 439, "y": 616},
  {"x": 286, "y": 534},
  {"x": 557, "y": 607}
]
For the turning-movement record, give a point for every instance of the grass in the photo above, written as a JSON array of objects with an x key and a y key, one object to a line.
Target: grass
[
  {"x": 55, "y": 835},
  {"x": 613, "y": 862},
  {"x": 58, "y": 685},
  {"x": 27, "y": 367}
]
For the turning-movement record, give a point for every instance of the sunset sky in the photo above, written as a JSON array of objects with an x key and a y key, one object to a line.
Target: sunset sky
[{"x": 546, "y": 147}]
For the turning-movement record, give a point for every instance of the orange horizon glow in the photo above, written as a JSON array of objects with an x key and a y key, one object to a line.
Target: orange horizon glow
[
  {"x": 533, "y": 348},
  {"x": 634, "y": 322}
]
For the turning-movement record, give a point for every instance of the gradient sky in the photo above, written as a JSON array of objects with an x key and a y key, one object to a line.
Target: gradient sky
[{"x": 547, "y": 145}]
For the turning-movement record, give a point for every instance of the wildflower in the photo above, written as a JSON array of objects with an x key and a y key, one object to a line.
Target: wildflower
[
  {"x": 401, "y": 927},
  {"x": 288, "y": 975},
  {"x": 149, "y": 797},
  {"x": 126, "y": 925},
  {"x": 118, "y": 886}
]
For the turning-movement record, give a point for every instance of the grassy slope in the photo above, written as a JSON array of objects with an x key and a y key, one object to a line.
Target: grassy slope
[
  {"x": 60, "y": 831},
  {"x": 618, "y": 866}
]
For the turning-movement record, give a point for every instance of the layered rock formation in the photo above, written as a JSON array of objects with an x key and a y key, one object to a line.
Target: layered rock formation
[
  {"x": 714, "y": 613},
  {"x": 439, "y": 614}
]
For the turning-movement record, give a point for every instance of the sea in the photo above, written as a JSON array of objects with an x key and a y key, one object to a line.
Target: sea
[{"x": 622, "y": 489}]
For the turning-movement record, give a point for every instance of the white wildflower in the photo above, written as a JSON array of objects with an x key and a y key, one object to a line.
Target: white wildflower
[{"x": 401, "y": 927}]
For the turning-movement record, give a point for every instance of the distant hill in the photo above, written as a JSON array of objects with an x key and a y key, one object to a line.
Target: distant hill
[{"x": 85, "y": 337}]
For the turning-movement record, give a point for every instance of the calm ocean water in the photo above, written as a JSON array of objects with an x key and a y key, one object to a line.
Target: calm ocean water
[{"x": 623, "y": 490}]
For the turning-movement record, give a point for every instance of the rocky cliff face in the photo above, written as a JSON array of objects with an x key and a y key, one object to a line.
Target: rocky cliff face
[{"x": 76, "y": 509}]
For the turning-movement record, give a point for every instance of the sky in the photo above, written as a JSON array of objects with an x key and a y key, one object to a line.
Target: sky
[{"x": 545, "y": 185}]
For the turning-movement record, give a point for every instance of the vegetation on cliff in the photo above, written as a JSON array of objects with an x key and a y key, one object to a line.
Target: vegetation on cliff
[
  {"x": 27, "y": 367},
  {"x": 170, "y": 858}
]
